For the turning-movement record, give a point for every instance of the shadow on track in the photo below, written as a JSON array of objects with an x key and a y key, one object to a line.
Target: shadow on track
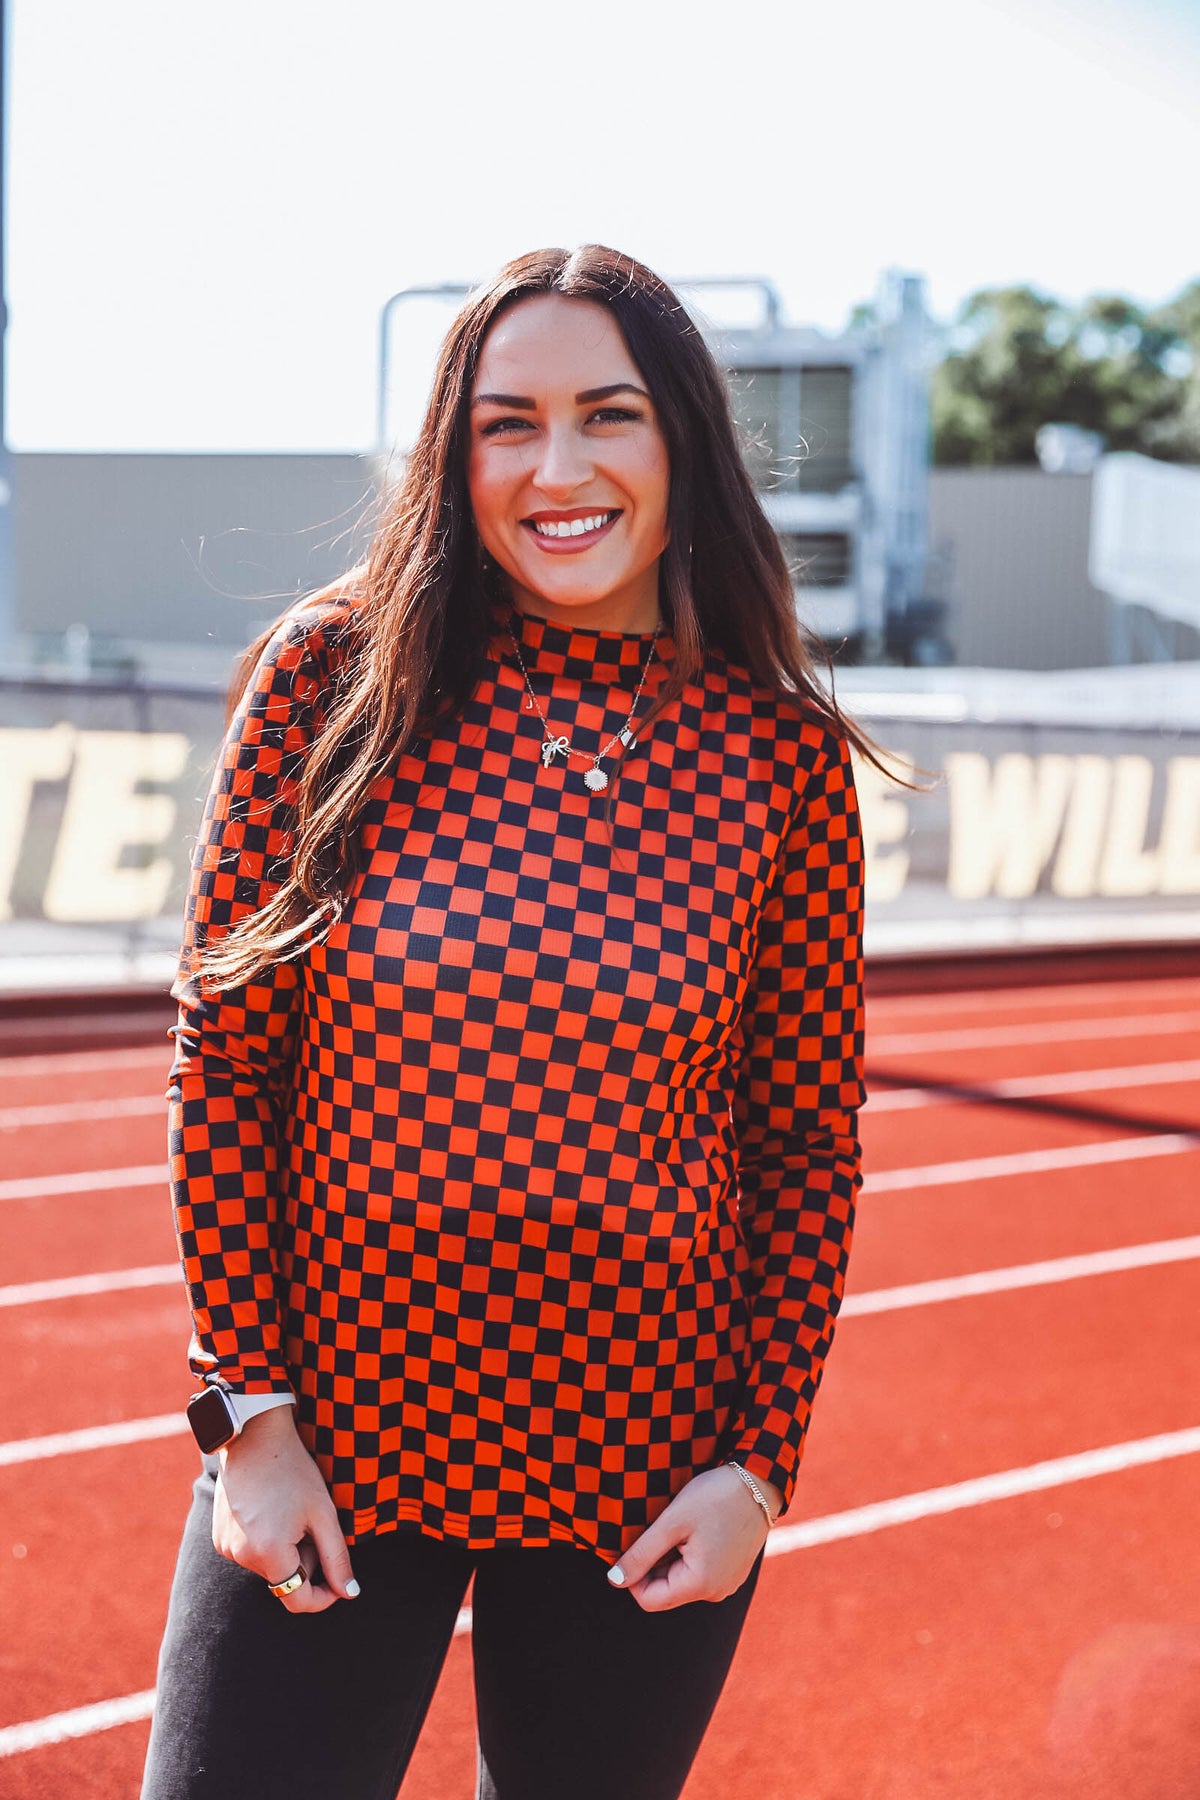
[{"x": 1031, "y": 1105}]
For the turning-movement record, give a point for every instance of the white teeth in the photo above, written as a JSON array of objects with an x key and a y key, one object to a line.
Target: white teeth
[{"x": 571, "y": 527}]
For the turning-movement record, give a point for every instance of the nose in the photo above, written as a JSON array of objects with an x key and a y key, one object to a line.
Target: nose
[{"x": 563, "y": 464}]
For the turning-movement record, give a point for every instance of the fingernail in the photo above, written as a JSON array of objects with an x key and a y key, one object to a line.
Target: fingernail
[
  {"x": 617, "y": 1576},
  {"x": 353, "y": 1590}
]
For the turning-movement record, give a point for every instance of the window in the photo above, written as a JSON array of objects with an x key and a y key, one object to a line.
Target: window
[
  {"x": 759, "y": 399},
  {"x": 796, "y": 427},
  {"x": 817, "y": 558},
  {"x": 826, "y": 399}
]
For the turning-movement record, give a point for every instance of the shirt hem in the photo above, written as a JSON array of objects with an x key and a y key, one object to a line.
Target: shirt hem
[{"x": 458, "y": 1528}]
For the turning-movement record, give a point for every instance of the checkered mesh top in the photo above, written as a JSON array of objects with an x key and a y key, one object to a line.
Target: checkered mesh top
[{"x": 535, "y": 1182}]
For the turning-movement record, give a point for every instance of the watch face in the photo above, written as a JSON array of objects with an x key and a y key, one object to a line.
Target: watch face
[{"x": 210, "y": 1419}]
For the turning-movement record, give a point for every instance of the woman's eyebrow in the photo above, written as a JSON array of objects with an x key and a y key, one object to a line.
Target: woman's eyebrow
[
  {"x": 519, "y": 400},
  {"x": 587, "y": 398},
  {"x": 606, "y": 393}
]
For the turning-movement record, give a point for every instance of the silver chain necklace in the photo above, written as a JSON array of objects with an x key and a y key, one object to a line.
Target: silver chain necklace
[{"x": 594, "y": 779}]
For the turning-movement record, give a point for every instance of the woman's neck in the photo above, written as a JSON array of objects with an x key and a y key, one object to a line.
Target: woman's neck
[{"x": 633, "y": 609}]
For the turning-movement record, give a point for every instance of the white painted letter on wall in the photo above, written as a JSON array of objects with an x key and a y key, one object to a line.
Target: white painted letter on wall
[
  {"x": 1004, "y": 820},
  {"x": 105, "y": 816},
  {"x": 26, "y": 757},
  {"x": 883, "y": 811},
  {"x": 1181, "y": 827}
]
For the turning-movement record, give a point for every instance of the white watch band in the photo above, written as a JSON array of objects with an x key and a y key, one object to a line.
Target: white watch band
[{"x": 247, "y": 1406}]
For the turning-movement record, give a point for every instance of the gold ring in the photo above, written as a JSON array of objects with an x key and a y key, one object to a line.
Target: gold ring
[{"x": 281, "y": 1589}]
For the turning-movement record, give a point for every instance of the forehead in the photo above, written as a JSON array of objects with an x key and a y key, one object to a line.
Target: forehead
[{"x": 548, "y": 342}]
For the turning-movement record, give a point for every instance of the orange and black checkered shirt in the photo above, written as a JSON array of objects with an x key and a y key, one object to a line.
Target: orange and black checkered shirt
[{"x": 534, "y": 1183}]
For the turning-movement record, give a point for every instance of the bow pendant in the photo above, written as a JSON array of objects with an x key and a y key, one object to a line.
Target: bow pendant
[{"x": 554, "y": 746}]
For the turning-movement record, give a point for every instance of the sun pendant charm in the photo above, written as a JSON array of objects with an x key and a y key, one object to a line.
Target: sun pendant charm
[{"x": 596, "y": 780}]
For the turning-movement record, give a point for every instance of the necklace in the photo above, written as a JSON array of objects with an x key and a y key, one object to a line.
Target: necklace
[{"x": 595, "y": 779}]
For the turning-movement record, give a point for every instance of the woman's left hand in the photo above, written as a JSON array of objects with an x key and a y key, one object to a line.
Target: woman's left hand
[{"x": 702, "y": 1547}]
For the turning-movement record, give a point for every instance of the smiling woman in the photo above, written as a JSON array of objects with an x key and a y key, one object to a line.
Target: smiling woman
[
  {"x": 577, "y": 475},
  {"x": 513, "y": 1133}
]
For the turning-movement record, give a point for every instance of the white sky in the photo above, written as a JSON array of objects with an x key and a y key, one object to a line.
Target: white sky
[{"x": 208, "y": 205}]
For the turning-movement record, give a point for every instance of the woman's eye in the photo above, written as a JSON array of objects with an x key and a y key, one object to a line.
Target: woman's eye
[
  {"x": 616, "y": 415},
  {"x": 500, "y": 427}
]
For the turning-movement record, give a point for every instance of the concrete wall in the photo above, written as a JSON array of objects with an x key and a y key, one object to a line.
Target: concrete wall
[
  {"x": 1018, "y": 551},
  {"x": 192, "y": 551},
  {"x": 183, "y": 557},
  {"x": 1017, "y": 544}
]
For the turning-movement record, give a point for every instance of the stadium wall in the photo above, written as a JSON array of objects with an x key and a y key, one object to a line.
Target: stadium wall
[{"x": 1024, "y": 833}]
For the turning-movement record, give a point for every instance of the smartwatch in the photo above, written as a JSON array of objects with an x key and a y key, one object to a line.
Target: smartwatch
[{"x": 213, "y": 1418}]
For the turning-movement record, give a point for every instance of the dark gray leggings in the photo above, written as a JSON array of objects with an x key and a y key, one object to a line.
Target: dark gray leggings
[{"x": 580, "y": 1695}]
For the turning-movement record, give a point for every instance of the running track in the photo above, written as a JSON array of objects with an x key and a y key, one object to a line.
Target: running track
[{"x": 988, "y": 1587}]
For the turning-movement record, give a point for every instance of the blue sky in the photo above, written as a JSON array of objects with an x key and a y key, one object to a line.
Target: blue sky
[{"x": 209, "y": 205}]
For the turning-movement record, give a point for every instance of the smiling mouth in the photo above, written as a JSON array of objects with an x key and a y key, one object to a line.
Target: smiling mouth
[{"x": 577, "y": 533}]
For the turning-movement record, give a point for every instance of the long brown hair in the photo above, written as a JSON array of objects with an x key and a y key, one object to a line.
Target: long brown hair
[{"x": 423, "y": 596}]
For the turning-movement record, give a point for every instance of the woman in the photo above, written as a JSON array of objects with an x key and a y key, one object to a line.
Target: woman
[{"x": 514, "y": 1106}]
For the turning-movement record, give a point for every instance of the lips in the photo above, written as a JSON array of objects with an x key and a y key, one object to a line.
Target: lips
[{"x": 578, "y": 530}]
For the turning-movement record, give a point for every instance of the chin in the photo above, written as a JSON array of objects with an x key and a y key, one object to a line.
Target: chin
[
  {"x": 575, "y": 596},
  {"x": 569, "y": 593}
]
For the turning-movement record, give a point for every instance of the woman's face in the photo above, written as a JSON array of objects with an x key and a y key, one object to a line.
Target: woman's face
[{"x": 568, "y": 471}]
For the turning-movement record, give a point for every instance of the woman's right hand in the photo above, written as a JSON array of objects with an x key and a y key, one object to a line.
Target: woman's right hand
[{"x": 273, "y": 1513}]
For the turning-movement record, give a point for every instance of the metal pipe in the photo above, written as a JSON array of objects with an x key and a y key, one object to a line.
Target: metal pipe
[
  {"x": 439, "y": 290},
  {"x": 457, "y": 290},
  {"x": 759, "y": 284}
]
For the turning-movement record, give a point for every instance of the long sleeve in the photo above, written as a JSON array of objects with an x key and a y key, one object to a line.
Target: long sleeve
[
  {"x": 800, "y": 1084},
  {"x": 235, "y": 1049}
]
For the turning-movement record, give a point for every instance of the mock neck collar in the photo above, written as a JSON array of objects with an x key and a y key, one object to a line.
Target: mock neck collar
[{"x": 578, "y": 653}]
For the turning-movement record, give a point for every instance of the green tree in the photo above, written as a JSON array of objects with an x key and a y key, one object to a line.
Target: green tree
[
  {"x": 1178, "y": 437},
  {"x": 1018, "y": 359}
]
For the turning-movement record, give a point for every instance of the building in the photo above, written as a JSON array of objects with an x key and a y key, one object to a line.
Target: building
[
  {"x": 1014, "y": 548},
  {"x": 838, "y": 445},
  {"x": 163, "y": 566}
]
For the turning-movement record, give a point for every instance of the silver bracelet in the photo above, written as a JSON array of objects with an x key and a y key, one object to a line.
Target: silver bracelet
[{"x": 750, "y": 1482}]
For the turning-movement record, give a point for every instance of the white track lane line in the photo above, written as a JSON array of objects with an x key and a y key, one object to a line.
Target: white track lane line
[
  {"x": 71, "y": 1112},
  {"x": 807, "y": 1534},
  {"x": 1021, "y": 1087},
  {"x": 1076, "y": 1081},
  {"x": 1006, "y": 1485},
  {"x": 92, "y": 1437},
  {"x": 1019, "y": 1275},
  {"x": 74, "y": 1287},
  {"x": 1047, "y": 1031},
  {"x": 88, "y": 1062},
  {"x": 873, "y": 1300},
  {"x": 85, "y": 1181},
  {"x": 1071, "y": 1081},
  {"x": 81, "y": 1721},
  {"x": 1031, "y": 1162},
  {"x": 977, "y": 1168},
  {"x": 79, "y": 1062}
]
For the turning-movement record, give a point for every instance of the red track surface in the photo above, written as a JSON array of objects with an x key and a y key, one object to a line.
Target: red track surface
[{"x": 1042, "y": 1644}]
